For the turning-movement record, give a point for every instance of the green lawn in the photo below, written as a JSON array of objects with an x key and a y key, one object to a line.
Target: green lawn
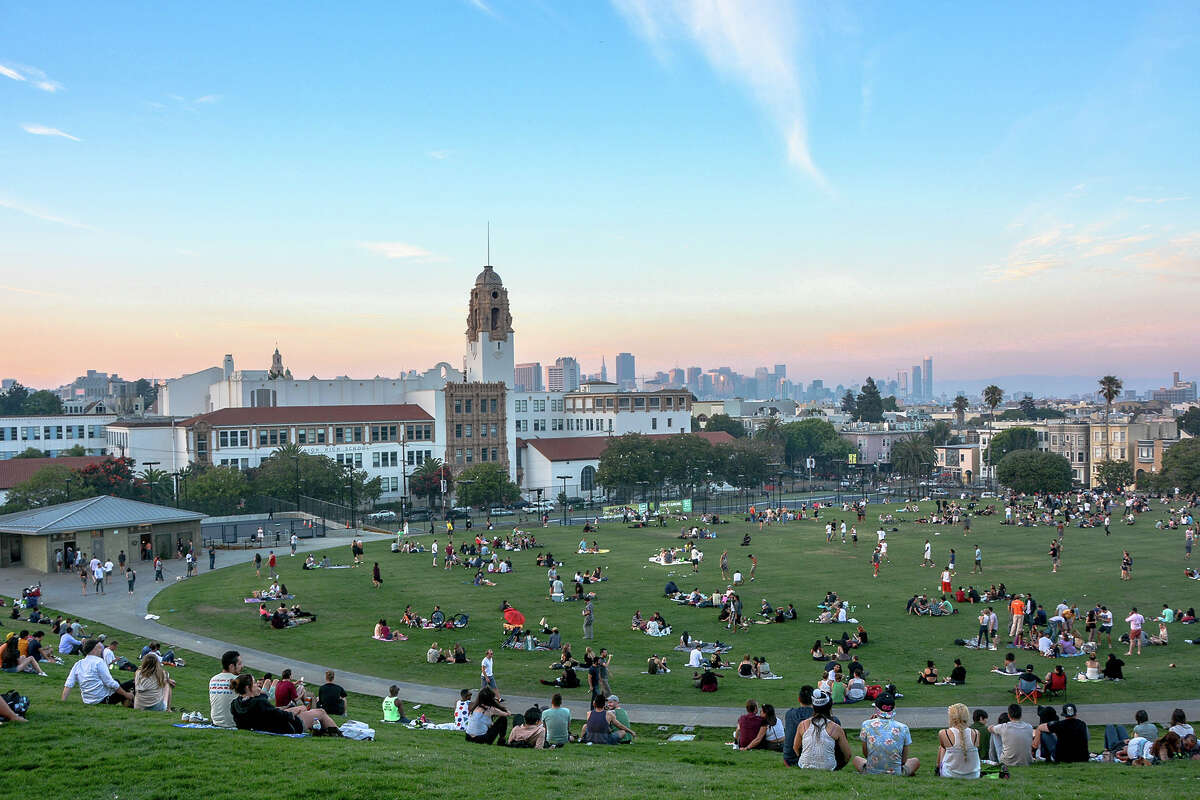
[
  {"x": 68, "y": 749},
  {"x": 795, "y": 565}
]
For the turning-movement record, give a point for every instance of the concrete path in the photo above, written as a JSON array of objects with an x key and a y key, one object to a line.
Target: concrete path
[{"x": 124, "y": 612}]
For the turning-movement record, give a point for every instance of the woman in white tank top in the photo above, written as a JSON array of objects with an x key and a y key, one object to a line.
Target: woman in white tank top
[
  {"x": 819, "y": 738},
  {"x": 958, "y": 751}
]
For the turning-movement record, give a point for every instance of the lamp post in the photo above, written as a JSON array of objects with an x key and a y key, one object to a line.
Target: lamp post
[
  {"x": 838, "y": 477},
  {"x": 404, "y": 477},
  {"x": 771, "y": 495},
  {"x": 296, "y": 463},
  {"x": 564, "y": 479}
]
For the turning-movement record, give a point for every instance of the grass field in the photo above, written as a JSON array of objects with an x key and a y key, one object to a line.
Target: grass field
[
  {"x": 795, "y": 565},
  {"x": 72, "y": 750}
]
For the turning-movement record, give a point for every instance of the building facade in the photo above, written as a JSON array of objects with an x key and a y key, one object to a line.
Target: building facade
[
  {"x": 477, "y": 432},
  {"x": 54, "y": 434}
]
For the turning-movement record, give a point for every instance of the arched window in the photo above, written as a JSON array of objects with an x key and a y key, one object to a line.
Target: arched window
[
  {"x": 495, "y": 318},
  {"x": 587, "y": 479}
]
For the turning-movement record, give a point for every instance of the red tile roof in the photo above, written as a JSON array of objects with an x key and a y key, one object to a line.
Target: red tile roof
[
  {"x": 19, "y": 470},
  {"x": 302, "y": 415},
  {"x": 585, "y": 448}
]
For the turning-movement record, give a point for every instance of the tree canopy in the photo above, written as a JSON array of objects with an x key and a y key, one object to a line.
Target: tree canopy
[
  {"x": 1007, "y": 441},
  {"x": 1181, "y": 466},
  {"x": 1114, "y": 475},
  {"x": 913, "y": 455},
  {"x": 484, "y": 486},
  {"x": 1031, "y": 471},
  {"x": 1189, "y": 421},
  {"x": 683, "y": 461},
  {"x": 724, "y": 422},
  {"x": 868, "y": 406},
  {"x": 815, "y": 438},
  {"x": 17, "y": 401}
]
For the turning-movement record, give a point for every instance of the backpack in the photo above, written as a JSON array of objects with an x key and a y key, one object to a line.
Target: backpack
[
  {"x": 874, "y": 691},
  {"x": 18, "y": 702}
]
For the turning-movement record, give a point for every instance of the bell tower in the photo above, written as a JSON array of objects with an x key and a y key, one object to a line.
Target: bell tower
[{"x": 489, "y": 331}]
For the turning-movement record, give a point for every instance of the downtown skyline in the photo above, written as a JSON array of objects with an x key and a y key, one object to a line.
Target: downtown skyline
[{"x": 840, "y": 191}]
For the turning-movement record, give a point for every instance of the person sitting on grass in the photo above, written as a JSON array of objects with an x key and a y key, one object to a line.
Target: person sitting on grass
[
  {"x": 885, "y": 742},
  {"x": 819, "y": 738},
  {"x": 220, "y": 689},
  {"x": 152, "y": 685},
  {"x": 393, "y": 706},
  {"x": 290, "y": 693},
  {"x": 770, "y": 733},
  {"x": 929, "y": 675},
  {"x": 11, "y": 659},
  {"x": 331, "y": 696},
  {"x": 656, "y": 665},
  {"x": 528, "y": 730},
  {"x": 169, "y": 658},
  {"x": 600, "y": 724},
  {"x": 705, "y": 681},
  {"x": 1009, "y": 667},
  {"x": 96, "y": 685},
  {"x": 485, "y": 706},
  {"x": 253, "y": 711},
  {"x": 383, "y": 632},
  {"x": 1113, "y": 668}
]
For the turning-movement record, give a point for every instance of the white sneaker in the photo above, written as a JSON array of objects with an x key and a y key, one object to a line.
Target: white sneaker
[{"x": 185, "y": 717}]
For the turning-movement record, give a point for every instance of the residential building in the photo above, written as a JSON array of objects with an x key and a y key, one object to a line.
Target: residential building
[
  {"x": 1071, "y": 440},
  {"x": 874, "y": 440},
  {"x": 959, "y": 463},
  {"x": 1142, "y": 444},
  {"x": 598, "y": 407},
  {"x": 54, "y": 433}
]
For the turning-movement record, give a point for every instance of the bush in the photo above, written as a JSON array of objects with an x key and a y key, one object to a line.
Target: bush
[{"x": 1034, "y": 471}]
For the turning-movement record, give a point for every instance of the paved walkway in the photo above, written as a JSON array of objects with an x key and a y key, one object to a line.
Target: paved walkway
[{"x": 119, "y": 610}]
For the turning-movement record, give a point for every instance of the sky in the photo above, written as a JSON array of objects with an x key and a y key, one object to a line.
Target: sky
[{"x": 841, "y": 187}]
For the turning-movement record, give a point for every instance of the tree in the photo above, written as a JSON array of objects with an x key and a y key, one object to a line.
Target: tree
[
  {"x": 1110, "y": 390},
  {"x": 145, "y": 390},
  {"x": 1005, "y": 442},
  {"x": 848, "y": 403},
  {"x": 742, "y": 464},
  {"x": 890, "y": 404},
  {"x": 993, "y": 396},
  {"x": 1189, "y": 421},
  {"x": 724, "y": 422},
  {"x": 111, "y": 476},
  {"x": 217, "y": 490},
  {"x": 961, "y": 404},
  {"x": 940, "y": 433},
  {"x": 771, "y": 435},
  {"x": 913, "y": 455},
  {"x": 1029, "y": 471},
  {"x": 686, "y": 461},
  {"x": 42, "y": 403},
  {"x": 157, "y": 485},
  {"x": 1114, "y": 475},
  {"x": 1181, "y": 466},
  {"x": 426, "y": 481},
  {"x": 12, "y": 401},
  {"x": 74, "y": 450},
  {"x": 1028, "y": 408},
  {"x": 868, "y": 406},
  {"x": 49, "y": 485},
  {"x": 813, "y": 438},
  {"x": 32, "y": 452},
  {"x": 484, "y": 486},
  {"x": 630, "y": 460}
]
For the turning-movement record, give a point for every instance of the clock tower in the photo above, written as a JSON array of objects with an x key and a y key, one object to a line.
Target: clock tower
[{"x": 489, "y": 357}]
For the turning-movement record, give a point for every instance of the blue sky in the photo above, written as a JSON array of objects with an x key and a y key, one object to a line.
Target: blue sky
[{"x": 837, "y": 187}]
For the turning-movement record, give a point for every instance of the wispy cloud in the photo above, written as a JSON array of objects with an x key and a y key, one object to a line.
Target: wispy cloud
[
  {"x": 479, "y": 5},
  {"x": 1015, "y": 270},
  {"x": 756, "y": 44},
  {"x": 439, "y": 155},
  {"x": 42, "y": 130},
  {"x": 23, "y": 290},
  {"x": 38, "y": 213},
  {"x": 402, "y": 251},
  {"x": 31, "y": 75},
  {"x": 207, "y": 99}
]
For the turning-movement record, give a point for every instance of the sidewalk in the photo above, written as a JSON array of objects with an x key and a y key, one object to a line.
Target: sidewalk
[{"x": 117, "y": 609}]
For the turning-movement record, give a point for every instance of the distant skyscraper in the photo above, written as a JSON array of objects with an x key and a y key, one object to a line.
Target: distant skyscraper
[
  {"x": 781, "y": 371},
  {"x": 693, "y": 379},
  {"x": 902, "y": 382},
  {"x": 626, "y": 371},
  {"x": 563, "y": 376},
  {"x": 927, "y": 376},
  {"x": 676, "y": 378},
  {"x": 917, "y": 385},
  {"x": 528, "y": 377},
  {"x": 603, "y": 370}
]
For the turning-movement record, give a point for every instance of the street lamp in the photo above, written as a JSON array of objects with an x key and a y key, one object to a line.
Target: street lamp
[
  {"x": 564, "y": 479},
  {"x": 296, "y": 462}
]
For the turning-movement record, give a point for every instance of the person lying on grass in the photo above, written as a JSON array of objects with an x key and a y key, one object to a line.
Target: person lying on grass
[{"x": 253, "y": 711}]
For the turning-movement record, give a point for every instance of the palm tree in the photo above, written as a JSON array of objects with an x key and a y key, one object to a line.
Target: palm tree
[
  {"x": 993, "y": 396},
  {"x": 1110, "y": 389},
  {"x": 961, "y": 404},
  {"x": 912, "y": 454},
  {"x": 157, "y": 483}
]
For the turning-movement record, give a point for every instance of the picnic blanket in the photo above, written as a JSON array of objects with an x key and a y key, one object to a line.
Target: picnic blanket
[
  {"x": 663, "y": 632},
  {"x": 206, "y": 726},
  {"x": 396, "y": 637},
  {"x": 592, "y": 552},
  {"x": 705, "y": 647},
  {"x": 265, "y": 599},
  {"x": 414, "y": 725}
]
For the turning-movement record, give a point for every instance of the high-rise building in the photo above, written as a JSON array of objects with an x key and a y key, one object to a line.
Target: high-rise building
[
  {"x": 563, "y": 376},
  {"x": 527, "y": 377},
  {"x": 693, "y": 379},
  {"x": 626, "y": 371},
  {"x": 676, "y": 378},
  {"x": 902, "y": 383},
  {"x": 917, "y": 386},
  {"x": 781, "y": 371},
  {"x": 927, "y": 377},
  {"x": 603, "y": 370}
]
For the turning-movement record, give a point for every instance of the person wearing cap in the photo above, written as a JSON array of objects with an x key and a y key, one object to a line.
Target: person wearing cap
[
  {"x": 620, "y": 729},
  {"x": 819, "y": 739},
  {"x": 1072, "y": 734},
  {"x": 885, "y": 742}
]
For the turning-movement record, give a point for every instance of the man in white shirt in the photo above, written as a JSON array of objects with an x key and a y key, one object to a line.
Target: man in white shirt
[
  {"x": 695, "y": 658},
  {"x": 68, "y": 645},
  {"x": 486, "y": 676},
  {"x": 98, "y": 576},
  {"x": 220, "y": 690},
  {"x": 96, "y": 685},
  {"x": 1136, "y": 621}
]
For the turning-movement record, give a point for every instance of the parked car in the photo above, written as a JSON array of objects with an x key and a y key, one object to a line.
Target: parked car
[
  {"x": 382, "y": 515},
  {"x": 418, "y": 515},
  {"x": 500, "y": 511},
  {"x": 987, "y": 494}
]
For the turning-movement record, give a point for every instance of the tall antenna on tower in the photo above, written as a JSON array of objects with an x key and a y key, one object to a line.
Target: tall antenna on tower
[{"x": 489, "y": 243}]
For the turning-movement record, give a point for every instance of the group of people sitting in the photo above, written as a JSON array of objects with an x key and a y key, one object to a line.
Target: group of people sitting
[
  {"x": 285, "y": 616},
  {"x": 920, "y": 605},
  {"x": 310, "y": 562}
]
